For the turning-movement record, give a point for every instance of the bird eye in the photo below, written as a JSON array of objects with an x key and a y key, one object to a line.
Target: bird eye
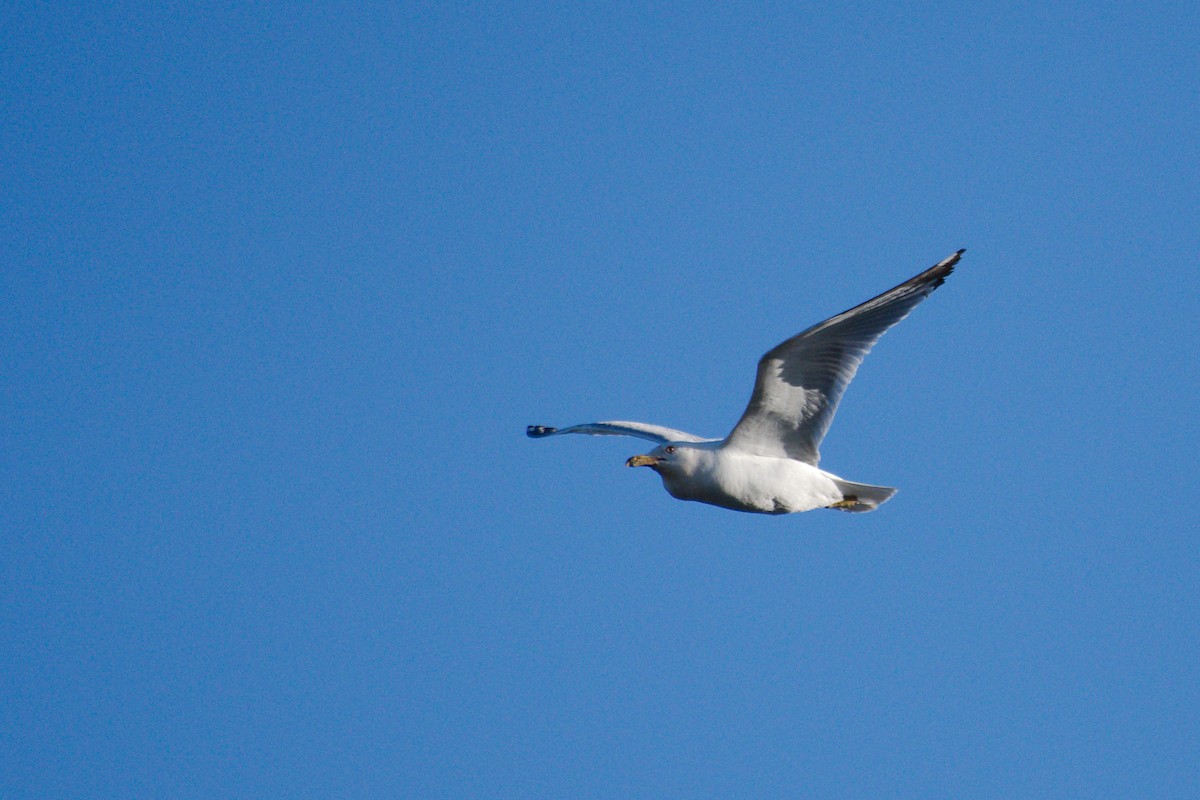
[{"x": 670, "y": 448}]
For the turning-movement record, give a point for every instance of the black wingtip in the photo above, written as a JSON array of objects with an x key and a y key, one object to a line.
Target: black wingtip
[
  {"x": 538, "y": 431},
  {"x": 949, "y": 263},
  {"x": 936, "y": 274}
]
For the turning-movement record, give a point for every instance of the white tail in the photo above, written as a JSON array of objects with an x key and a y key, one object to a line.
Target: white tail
[{"x": 860, "y": 497}]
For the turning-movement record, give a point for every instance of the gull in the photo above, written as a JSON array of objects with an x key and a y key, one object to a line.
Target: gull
[{"x": 768, "y": 462}]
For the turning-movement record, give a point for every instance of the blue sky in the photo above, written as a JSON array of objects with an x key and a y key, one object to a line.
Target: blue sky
[{"x": 282, "y": 287}]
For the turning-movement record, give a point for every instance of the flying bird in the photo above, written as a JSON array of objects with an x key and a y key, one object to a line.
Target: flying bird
[{"x": 768, "y": 462}]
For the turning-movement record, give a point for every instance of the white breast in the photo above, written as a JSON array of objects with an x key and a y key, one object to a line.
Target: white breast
[{"x": 731, "y": 479}]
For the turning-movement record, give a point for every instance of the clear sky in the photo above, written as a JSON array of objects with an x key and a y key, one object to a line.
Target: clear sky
[{"x": 282, "y": 286}]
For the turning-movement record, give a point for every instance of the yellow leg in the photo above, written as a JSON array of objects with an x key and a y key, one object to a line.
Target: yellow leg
[{"x": 849, "y": 501}]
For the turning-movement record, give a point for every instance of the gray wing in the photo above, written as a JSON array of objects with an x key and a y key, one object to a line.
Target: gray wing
[
  {"x": 642, "y": 430},
  {"x": 800, "y": 381}
]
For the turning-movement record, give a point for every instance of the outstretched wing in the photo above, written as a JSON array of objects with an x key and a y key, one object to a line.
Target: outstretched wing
[
  {"x": 800, "y": 381},
  {"x": 642, "y": 430}
]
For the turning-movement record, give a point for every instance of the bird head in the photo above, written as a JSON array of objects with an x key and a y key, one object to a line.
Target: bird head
[{"x": 662, "y": 457}]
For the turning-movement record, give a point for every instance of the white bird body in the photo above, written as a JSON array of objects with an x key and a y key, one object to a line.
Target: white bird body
[
  {"x": 768, "y": 462},
  {"x": 713, "y": 473}
]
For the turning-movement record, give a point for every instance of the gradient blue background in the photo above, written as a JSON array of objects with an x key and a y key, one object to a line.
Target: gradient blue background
[{"x": 281, "y": 288}]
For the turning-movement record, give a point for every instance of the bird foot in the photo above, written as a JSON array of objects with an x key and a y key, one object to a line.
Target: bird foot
[{"x": 849, "y": 501}]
